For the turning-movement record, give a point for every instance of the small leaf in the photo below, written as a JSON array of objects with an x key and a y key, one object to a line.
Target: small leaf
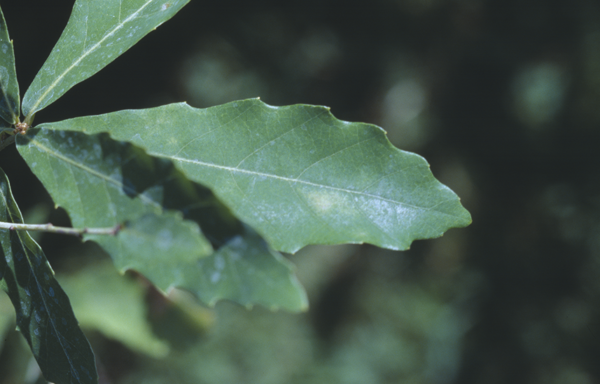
[
  {"x": 97, "y": 33},
  {"x": 101, "y": 182},
  {"x": 9, "y": 87},
  {"x": 296, "y": 174},
  {"x": 44, "y": 314}
]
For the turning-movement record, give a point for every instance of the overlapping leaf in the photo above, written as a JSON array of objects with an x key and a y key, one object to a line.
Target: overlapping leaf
[
  {"x": 96, "y": 34},
  {"x": 9, "y": 87},
  {"x": 44, "y": 314},
  {"x": 104, "y": 183},
  {"x": 101, "y": 183},
  {"x": 296, "y": 174}
]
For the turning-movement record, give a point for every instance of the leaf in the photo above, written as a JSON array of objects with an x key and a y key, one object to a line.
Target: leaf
[
  {"x": 9, "y": 87},
  {"x": 97, "y": 33},
  {"x": 7, "y": 314},
  {"x": 296, "y": 174},
  {"x": 44, "y": 314},
  {"x": 101, "y": 182},
  {"x": 115, "y": 306}
]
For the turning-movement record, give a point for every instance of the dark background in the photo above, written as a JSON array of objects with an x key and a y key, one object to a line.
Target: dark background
[{"x": 503, "y": 99}]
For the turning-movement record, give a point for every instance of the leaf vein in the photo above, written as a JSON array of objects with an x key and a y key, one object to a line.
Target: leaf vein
[{"x": 287, "y": 179}]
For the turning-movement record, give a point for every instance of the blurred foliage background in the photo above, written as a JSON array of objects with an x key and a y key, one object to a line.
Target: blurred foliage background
[{"x": 503, "y": 99}]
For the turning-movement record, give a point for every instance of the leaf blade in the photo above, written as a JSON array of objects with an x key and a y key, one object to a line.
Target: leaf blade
[
  {"x": 44, "y": 314},
  {"x": 9, "y": 87},
  {"x": 296, "y": 174},
  {"x": 96, "y": 34}
]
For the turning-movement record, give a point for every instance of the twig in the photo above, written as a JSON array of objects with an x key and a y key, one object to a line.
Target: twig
[{"x": 62, "y": 230}]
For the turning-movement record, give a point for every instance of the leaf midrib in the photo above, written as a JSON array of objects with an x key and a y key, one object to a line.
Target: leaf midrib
[{"x": 293, "y": 180}]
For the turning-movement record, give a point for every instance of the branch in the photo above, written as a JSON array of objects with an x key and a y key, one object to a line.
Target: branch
[{"x": 62, "y": 230}]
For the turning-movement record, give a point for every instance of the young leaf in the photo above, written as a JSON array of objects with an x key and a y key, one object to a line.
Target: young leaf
[
  {"x": 44, "y": 314},
  {"x": 296, "y": 174},
  {"x": 9, "y": 88},
  {"x": 96, "y": 34},
  {"x": 101, "y": 182}
]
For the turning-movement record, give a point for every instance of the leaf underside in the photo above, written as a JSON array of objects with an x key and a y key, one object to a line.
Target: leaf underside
[
  {"x": 101, "y": 183},
  {"x": 44, "y": 314},
  {"x": 9, "y": 87},
  {"x": 296, "y": 174},
  {"x": 97, "y": 33}
]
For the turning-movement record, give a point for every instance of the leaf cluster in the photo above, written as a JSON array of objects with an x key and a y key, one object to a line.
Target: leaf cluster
[{"x": 204, "y": 199}]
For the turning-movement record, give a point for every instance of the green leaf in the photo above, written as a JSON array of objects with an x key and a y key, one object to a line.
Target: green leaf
[
  {"x": 7, "y": 313},
  {"x": 115, "y": 306},
  {"x": 101, "y": 183},
  {"x": 44, "y": 314},
  {"x": 9, "y": 87},
  {"x": 296, "y": 174},
  {"x": 96, "y": 34}
]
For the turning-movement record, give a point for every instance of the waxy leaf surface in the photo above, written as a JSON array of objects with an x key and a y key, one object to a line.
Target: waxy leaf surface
[
  {"x": 44, "y": 314},
  {"x": 96, "y": 34},
  {"x": 101, "y": 183},
  {"x": 9, "y": 87},
  {"x": 296, "y": 174}
]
